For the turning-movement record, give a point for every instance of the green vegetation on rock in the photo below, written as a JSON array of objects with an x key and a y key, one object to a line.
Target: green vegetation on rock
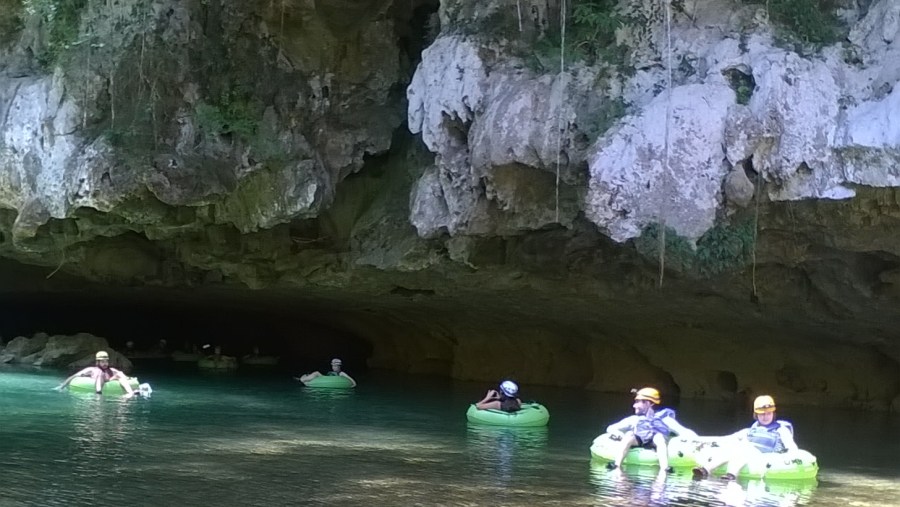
[
  {"x": 10, "y": 19},
  {"x": 234, "y": 114},
  {"x": 591, "y": 36},
  {"x": 812, "y": 21},
  {"x": 61, "y": 19},
  {"x": 808, "y": 21},
  {"x": 594, "y": 24},
  {"x": 725, "y": 247},
  {"x": 238, "y": 116},
  {"x": 742, "y": 83},
  {"x": 679, "y": 252}
]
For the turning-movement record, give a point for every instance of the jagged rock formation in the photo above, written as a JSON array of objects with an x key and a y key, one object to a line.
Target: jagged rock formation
[
  {"x": 68, "y": 352},
  {"x": 257, "y": 152}
]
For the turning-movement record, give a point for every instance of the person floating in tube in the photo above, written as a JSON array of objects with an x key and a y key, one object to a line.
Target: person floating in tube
[
  {"x": 506, "y": 399},
  {"x": 649, "y": 427},
  {"x": 101, "y": 373},
  {"x": 335, "y": 371},
  {"x": 766, "y": 435}
]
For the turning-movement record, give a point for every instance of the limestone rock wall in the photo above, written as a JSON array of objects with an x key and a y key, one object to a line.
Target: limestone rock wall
[
  {"x": 812, "y": 126},
  {"x": 171, "y": 117},
  {"x": 679, "y": 361}
]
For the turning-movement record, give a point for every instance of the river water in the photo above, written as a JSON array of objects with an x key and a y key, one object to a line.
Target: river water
[{"x": 266, "y": 440}]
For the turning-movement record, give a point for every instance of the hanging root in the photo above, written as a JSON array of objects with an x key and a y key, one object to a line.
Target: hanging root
[
  {"x": 559, "y": 122},
  {"x": 519, "y": 12},
  {"x": 666, "y": 169},
  {"x": 62, "y": 262},
  {"x": 662, "y": 251},
  {"x": 759, "y": 177}
]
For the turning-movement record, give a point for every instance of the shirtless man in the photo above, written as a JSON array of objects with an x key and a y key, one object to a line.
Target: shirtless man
[{"x": 101, "y": 373}]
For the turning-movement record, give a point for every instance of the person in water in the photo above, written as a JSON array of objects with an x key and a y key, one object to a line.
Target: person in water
[
  {"x": 506, "y": 399},
  {"x": 102, "y": 373},
  {"x": 335, "y": 371},
  {"x": 649, "y": 427},
  {"x": 255, "y": 354},
  {"x": 765, "y": 435}
]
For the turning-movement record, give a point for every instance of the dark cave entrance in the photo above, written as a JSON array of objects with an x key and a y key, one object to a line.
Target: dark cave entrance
[{"x": 184, "y": 321}]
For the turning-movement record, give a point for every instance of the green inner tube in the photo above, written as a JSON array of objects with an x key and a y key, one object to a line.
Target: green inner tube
[
  {"x": 260, "y": 361},
  {"x": 531, "y": 415},
  {"x": 792, "y": 465},
  {"x": 330, "y": 382},
  {"x": 223, "y": 363},
  {"x": 683, "y": 454},
  {"x": 86, "y": 384}
]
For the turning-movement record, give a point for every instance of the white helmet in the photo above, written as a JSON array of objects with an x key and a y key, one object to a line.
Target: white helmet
[{"x": 509, "y": 388}]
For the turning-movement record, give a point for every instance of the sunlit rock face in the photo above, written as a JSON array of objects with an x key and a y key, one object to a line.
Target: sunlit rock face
[{"x": 432, "y": 179}]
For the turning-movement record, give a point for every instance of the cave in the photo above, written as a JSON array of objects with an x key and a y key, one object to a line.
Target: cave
[
  {"x": 237, "y": 322},
  {"x": 376, "y": 180}
]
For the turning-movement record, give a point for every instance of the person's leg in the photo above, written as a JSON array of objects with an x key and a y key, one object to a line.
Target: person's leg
[
  {"x": 126, "y": 385},
  {"x": 98, "y": 382},
  {"x": 662, "y": 451},
  {"x": 740, "y": 458},
  {"x": 715, "y": 460},
  {"x": 628, "y": 441},
  {"x": 310, "y": 376}
]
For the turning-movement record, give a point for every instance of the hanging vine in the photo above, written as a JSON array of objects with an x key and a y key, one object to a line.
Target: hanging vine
[
  {"x": 755, "y": 293},
  {"x": 559, "y": 122},
  {"x": 665, "y": 179}
]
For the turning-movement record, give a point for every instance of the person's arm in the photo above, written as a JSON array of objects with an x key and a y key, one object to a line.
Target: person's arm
[
  {"x": 622, "y": 426},
  {"x": 787, "y": 439},
  {"x": 489, "y": 397},
  {"x": 349, "y": 378},
  {"x": 676, "y": 427},
  {"x": 79, "y": 374},
  {"x": 309, "y": 376}
]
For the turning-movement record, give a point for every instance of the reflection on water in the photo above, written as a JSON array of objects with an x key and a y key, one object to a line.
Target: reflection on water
[
  {"x": 643, "y": 486},
  {"x": 324, "y": 394},
  {"x": 234, "y": 440},
  {"x": 521, "y": 440},
  {"x": 497, "y": 450}
]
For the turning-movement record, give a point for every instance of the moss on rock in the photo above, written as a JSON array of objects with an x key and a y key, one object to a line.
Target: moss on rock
[
  {"x": 725, "y": 247},
  {"x": 11, "y": 19}
]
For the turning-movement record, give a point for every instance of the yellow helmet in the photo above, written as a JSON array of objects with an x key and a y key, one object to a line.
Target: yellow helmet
[
  {"x": 102, "y": 355},
  {"x": 648, "y": 393},
  {"x": 763, "y": 404}
]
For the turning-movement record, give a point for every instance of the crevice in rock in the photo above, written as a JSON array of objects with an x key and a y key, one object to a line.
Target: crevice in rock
[
  {"x": 417, "y": 26},
  {"x": 742, "y": 82},
  {"x": 457, "y": 130},
  {"x": 727, "y": 381}
]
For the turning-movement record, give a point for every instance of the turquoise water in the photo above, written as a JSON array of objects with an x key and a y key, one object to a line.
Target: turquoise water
[{"x": 239, "y": 440}]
